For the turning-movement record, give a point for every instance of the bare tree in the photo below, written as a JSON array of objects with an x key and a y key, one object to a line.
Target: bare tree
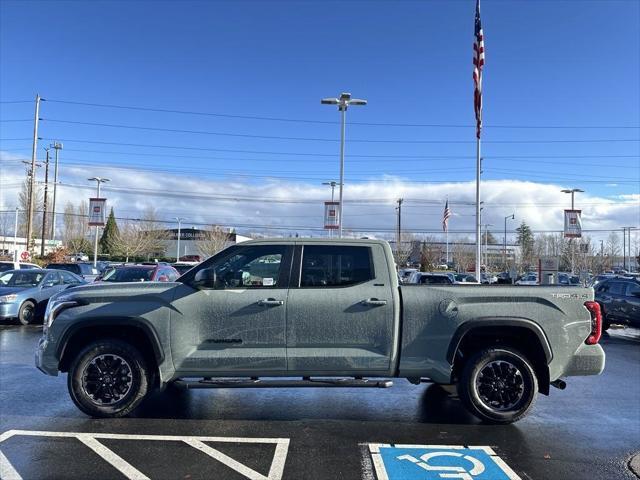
[
  {"x": 613, "y": 248},
  {"x": 212, "y": 241},
  {"x": 430, "y": 254},
  {"x": 403, "y": 250},
  {"x": 463, "y": 254},
  {"x": 23, "y": 205},
  {"x": 137, "y": 238}
]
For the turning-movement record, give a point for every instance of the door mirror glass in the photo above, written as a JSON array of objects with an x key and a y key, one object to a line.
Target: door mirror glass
[{"x": 205, "y": 279}]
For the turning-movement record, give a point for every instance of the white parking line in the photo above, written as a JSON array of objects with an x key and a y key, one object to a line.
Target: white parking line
[{"x": 8, "y": 472}]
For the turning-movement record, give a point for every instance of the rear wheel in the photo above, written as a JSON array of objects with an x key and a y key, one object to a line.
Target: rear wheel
[
  {"x": 498, "y": 385},
  {"x": 109, "y": 378},
  {"x": 27, "y": 313}
]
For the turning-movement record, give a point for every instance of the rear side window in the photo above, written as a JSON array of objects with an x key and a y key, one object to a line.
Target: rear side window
[
  {"x": 633, "y": 289},
  {"x": 335, "y": 266},
  {"x": 6, "y": 266}
]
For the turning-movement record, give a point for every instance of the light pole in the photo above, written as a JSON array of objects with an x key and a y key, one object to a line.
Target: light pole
[
  {"x": 332, "y": 184},
  {"x": 343, "y": 103},
  {"x": 486, "y": 243},
  {"x": 504, "y": 251},
  {"x": 179, "y": 220},
  {"x": 572, "y": 191},
  {"x": 57, "y": 146},
  {"x": 98, "y": 180},
  {"x": 15, "y": 238}
]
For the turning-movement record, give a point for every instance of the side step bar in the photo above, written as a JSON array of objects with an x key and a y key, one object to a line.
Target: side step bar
[{"x": 258, "y": 383}]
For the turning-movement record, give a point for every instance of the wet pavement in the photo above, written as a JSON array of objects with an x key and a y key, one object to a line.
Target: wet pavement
[{"x": 588, "y": 431}]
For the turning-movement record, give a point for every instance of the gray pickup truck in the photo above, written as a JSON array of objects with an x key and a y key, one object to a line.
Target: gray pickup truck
[{"x": 317, "y": 313}]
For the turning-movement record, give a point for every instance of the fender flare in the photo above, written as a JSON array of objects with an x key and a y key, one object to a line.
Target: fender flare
[
  {"x": 136, "y": 322},
  {"x": 483, "y": 322}
]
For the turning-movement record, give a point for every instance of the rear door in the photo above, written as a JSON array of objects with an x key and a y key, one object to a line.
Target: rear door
[
  {"x": 340, "y": 310},
  {"x": 631, "y": 306}
]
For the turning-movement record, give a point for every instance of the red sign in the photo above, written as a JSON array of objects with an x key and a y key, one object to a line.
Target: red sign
[{"x": 24, "y": 255}]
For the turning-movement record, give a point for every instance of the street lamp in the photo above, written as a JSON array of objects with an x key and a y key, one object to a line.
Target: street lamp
[
  {"x": 343, "y": 103},
  {"x": 332, "y": 184},
  {"x": 98, "y": 180},
  {"x": 572, "y": 191},
  {"x": 179, "y": 220},
  {"x": 57, "y": 146},
  {"x": 504, "y": 251}
]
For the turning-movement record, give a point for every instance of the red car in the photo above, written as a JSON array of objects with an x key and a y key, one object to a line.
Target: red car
[{"x": 140, "y": 273}]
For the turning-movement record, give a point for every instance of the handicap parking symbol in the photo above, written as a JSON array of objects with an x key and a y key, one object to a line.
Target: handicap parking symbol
[{"x": 438, "y": 462}]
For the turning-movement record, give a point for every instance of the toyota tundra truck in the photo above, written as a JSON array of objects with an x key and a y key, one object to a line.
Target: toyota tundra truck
[{"x": 317, "y": 313}]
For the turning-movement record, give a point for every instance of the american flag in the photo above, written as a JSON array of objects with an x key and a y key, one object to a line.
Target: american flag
[
  {"x": 478, "y": 64},
  {"x": 445, "y": 217}
]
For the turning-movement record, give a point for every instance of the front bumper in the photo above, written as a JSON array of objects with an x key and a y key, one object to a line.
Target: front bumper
[
  {"x": 46, "y": 360},
  {"x": 9, "y": 310}
]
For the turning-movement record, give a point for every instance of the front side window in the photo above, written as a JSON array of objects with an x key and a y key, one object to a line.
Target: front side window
[
  {"x": 251, "y": 267},
  {"x": 335, "y": 266},
  {"x": 633, "y": 289},
  {"x": 68, "y": 278}
]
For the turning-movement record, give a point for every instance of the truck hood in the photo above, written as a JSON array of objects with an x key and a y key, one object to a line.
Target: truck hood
[{"x": 109, "y": 292}]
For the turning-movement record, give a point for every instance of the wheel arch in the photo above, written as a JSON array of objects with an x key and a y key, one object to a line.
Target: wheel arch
[
  {"x": 519, "y": 333},
  {"x": 135, "y": 331}
]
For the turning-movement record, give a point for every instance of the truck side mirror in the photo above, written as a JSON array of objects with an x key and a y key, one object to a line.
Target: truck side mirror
[{"x": 205, "y": 279}]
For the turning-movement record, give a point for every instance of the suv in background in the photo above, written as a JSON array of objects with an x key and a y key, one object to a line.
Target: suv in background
[
  {"x": 140, "y": 273},
  {"x": 619, "y": 300},
  {"x": 84, "y": 270}
]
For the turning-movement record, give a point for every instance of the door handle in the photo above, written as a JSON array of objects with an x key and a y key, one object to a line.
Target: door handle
[
  {"x": 269, "y": 302},
  {"x": 374, "y": 302}
]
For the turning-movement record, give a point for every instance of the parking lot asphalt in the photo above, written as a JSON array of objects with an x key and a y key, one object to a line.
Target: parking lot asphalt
[{"x": 591, "y": 430}]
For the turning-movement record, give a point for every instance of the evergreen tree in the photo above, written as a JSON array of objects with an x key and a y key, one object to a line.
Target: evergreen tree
[
  {"x": 109, "y": 235},
  {"x": 526, "y": 241}
]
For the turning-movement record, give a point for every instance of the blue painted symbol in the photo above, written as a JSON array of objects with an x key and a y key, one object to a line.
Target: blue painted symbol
[{"x": 433, "y": 462}]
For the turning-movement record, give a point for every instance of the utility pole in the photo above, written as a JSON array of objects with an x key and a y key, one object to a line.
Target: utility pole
[
  {"x": 34, "y": 149},
  {"x": 44, "y": 209},
  {"x": 399, "y": 232},
  {"x": 57, "y": 146},
  {"x": 624, "y": 248},
  {"x": 15, "y": 237}
]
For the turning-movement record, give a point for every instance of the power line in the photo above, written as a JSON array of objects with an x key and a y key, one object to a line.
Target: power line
[
  {"x": 324, "y": 122},
  {"x": 319, "y": 139}
]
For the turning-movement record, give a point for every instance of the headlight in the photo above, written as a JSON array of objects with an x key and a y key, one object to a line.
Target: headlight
[{"x": 8, "y": 298}]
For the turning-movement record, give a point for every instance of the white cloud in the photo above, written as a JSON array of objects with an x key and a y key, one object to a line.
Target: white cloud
[{"x": 298, "y": 204}]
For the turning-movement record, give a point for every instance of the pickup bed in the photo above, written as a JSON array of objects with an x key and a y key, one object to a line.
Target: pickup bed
[{"x": 304, "y": 312}]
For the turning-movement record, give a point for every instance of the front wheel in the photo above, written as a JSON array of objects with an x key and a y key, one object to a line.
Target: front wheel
[
  {"x": 27, "y": 313},
  {"x": 498, "y": 385},
  {"x": 109, "y": 378}
]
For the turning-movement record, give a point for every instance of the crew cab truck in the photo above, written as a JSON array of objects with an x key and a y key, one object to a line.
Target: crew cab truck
[{"x": 319, "y": 313}]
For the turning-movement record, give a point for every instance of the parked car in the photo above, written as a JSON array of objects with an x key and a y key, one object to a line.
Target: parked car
[
  {"x": 504, "y": 278},
  {"x": 619, "y": 299},
  {"x": 24, "y": 293},
  {"x": 190, "y": 258},
  {"x": 488, "y": 278},
  {"x": 82, "y": 269},
  {"x": 568, "y": 279},
  {"x": 435, "y": 279},
  {"x": 183, "y": 267},
  {"x": 528, "y": 279},
  {"x": 405, "y": 273},
  {"x": 465, "y": 278},
  {"x": 77, "y": 257},
  {"x": 140, "y": 273},
  {"x": 8, "y": 265},
  {"x": 329, "y": 312}
]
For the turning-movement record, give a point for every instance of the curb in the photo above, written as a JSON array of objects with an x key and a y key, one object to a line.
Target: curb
[{"x": 634, "y": 464}]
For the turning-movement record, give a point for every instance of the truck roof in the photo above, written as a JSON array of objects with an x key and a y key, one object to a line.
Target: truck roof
[{"x": 323, "y": 241}]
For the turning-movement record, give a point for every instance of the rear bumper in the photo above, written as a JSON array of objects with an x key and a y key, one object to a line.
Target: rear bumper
[{"x": 587, "y": 360}]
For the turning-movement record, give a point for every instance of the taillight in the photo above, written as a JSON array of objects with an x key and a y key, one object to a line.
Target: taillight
[{"x": 596, "y": 322}]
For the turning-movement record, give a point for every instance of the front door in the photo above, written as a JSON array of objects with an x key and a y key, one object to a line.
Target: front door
[
  {"x": 340, "y": 311},
  {"x": 238, "y": 327}
]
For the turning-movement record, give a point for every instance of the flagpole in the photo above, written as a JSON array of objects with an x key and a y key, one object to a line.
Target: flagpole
[
  {"x": 447, "y": 236},
  {"x": 478, "y": 239}
]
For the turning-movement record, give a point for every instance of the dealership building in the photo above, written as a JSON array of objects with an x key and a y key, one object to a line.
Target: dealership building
[{"x": 189, "y": 238}]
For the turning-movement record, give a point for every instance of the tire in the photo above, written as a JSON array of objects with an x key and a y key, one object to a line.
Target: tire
[
  {"x": 101, "y": 361},
  {"x": 27, "y": 313},
  {"x": 498, "y": 385}
]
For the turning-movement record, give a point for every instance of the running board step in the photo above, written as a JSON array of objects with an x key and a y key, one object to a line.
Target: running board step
[{"x": 258, "y": 383}]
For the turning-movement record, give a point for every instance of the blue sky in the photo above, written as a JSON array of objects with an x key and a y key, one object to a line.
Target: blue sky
[{"x": 570, "y": 64}]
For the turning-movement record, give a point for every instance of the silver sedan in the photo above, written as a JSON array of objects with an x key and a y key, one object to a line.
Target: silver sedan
[{"x": 24, "y": 293}]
